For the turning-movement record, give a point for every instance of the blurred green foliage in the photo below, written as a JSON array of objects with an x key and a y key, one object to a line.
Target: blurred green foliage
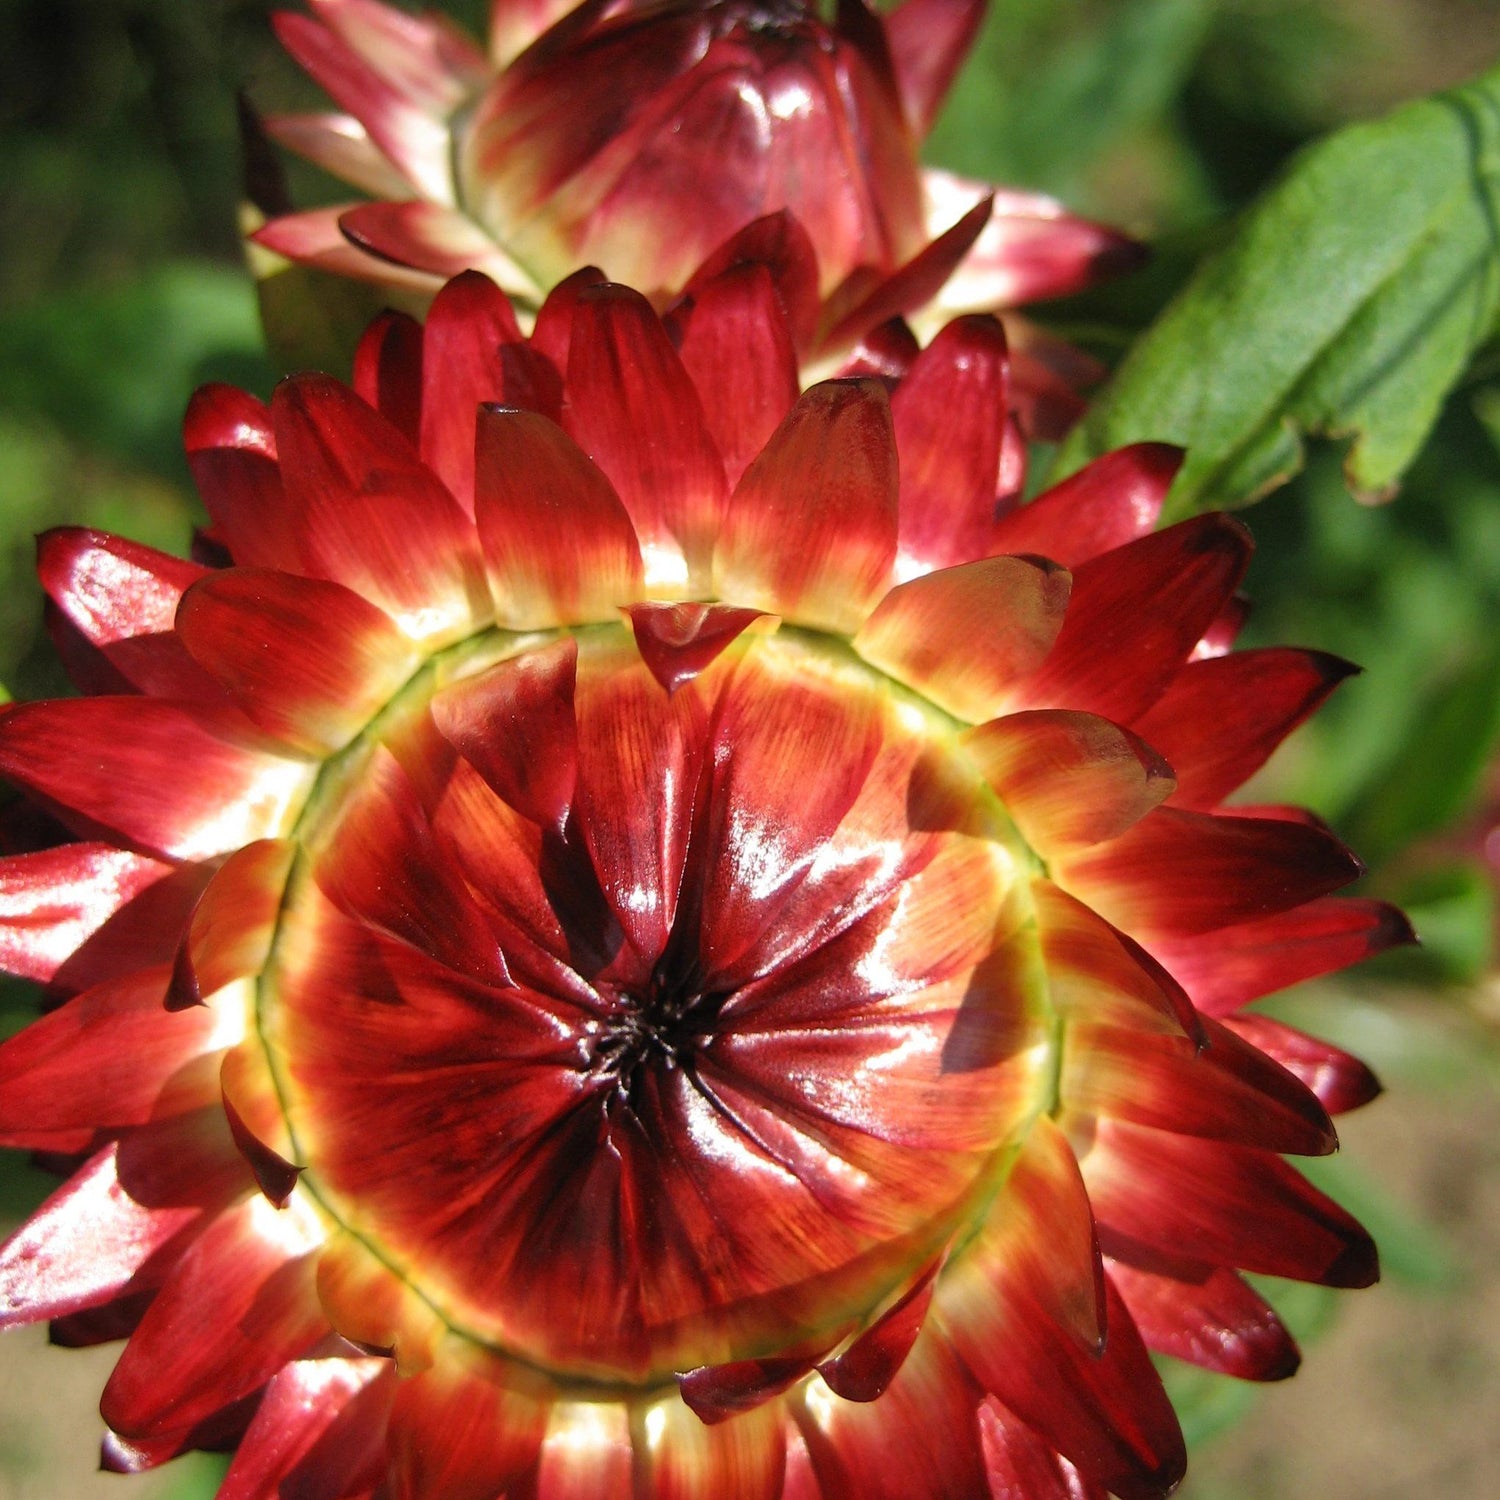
[{"x": 121, "y": 288}]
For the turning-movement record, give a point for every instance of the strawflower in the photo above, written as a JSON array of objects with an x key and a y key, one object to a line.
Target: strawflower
[
  {"x": 640, "y": 138},
  {"x": 594, "y": 957}
]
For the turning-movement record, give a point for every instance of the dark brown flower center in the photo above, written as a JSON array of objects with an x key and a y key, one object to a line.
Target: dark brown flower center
[{"x": 664, "y": 1025}]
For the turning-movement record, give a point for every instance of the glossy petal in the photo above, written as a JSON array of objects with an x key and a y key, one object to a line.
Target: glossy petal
[
  {"x": 234, "y": 922},
  {"x": 635, "y": 412},
  {"x": 1226, "y": 1091},
  {"x": 1021, "y": 1465},
  {"x": 428, "y": 59},
  {"x": 1135, "y": 614},
  {"x": 1179, "y": 874},
  {"x": 1226, "y": 1205},
  {"x": 1098, "y": 975},
  {"x": 1224, "y": 629},
  {"x": 1221, "y": 717},
  {"x": 866, "y": 1368},
  {"x": 715, "y": 1393},
  {"x": 683, "y": 1458},
  {"x": 315, "y": 239},
  {"x": 515, "y": 725},
  {"x": 678, "y": 641},
  {"x": 252, "y": 1105},
  {"x": 783, "y": 247},
  {"x": 463, "y": 1430},
  {"x": 321, "y": 1422},
  {"x": 120, "y": 597},
  {"x": 773, "y": 804},
  {"x": 366, "y": 513},
  {"x": 52, "y": 902},
  {"x": 1069, "y": 778},
  {"x": 388, "y": 371},
  {"x": 423, "y": 901},
  {"x": 929, "y": 41},
  {"x": 587, "y": 1454},
  {"x": 400, "y": 126},
  {"x": 309, "y": 661},
  {"x": 913, "y": 284},
  {"x": 810, "y": 533},
  {"x": 1204, "y": 1314},
  {"x": 738, "y": 349},
  {"x": 1105, "y": 1412},
  {"x": 469, "y": 333},
  {"x": 920, "y": 1438},
  {"x": 631, "y": 735},
  {"x": 342, "y": 147},
  {"x": 552, "y": 333},
  {"x": 1340, "y": 1081},
  {"x": 173, "y": 783},
  {"x": 1035, "y": 1259},
  {"x": 558, "y": 543},
  {"x": 943, "y": 411},
  {"x": 109, "y": 1057},
  {"x": 238, "y": 1306},
  {"x": 1031, "y": 249},
  {"x": 430, "y": 237},
  {"x": 372, "y": 1307},
  {"x": 231, "y": 449},
  {"x": 1112, "y": 501},
  {"x": 1226, "y": 969},
  {"x": 116, "y": 1224},
  {"x": 967, "y": 635}
]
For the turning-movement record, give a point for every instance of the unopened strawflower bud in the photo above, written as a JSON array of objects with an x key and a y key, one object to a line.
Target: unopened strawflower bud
[
  {"x": 642, "y": 138},
  {"x": 637, "y": 936}
]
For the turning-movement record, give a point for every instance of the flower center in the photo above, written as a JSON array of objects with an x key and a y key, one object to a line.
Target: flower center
[
  {"x": 639, "y": 1031},
  {"x": 663, "y": 1026}
]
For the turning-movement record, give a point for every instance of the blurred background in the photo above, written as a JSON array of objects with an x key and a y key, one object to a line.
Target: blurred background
[{"x": 122, "y": 288}]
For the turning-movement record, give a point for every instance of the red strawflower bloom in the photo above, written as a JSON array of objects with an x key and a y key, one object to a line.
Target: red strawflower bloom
[
  {"x": 642, "y": 137},
  {"x": 594, "y": 964}
]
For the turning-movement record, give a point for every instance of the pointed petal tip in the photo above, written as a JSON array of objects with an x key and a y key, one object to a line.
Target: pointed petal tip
[
  {"x": 1158, "y": 461},
  {"x": 1356, "y": 1266},
  {"x": 275, "y": 1176},
  {"x": 715, "y": 1393},
  {"x": 183, "y": 990},
  {"x": 678, "y": 641},
  {"x": 1285, "y": 1367}
]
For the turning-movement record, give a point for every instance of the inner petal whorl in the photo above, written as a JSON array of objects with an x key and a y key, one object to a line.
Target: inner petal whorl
[{"x": 705, "y": 1072}]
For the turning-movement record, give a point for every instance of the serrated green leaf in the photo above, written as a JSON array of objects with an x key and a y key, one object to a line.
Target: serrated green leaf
[{"x": 1347, "y": 304}]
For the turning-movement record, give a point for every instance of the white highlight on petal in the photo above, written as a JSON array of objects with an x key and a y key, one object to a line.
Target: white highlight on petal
[
  {"x": 789, "y": 99},
  {"x": 665, "y": 569},
  {"x": 656, "y": 1427},
  {"x": 233, "y": 1006},
  {"x": 269, "y": 806},
  {"x": 580, "y": 1427},
  {"x": 294, "y": 1230}
]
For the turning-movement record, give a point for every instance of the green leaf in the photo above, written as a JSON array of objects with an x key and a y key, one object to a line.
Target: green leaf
[
  {"x": 1063, "y": 101},
  {"x": 114, "y": 367},
  {"x": 1435, "y": 775},
  {"x": 1347, "y": 304}
]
